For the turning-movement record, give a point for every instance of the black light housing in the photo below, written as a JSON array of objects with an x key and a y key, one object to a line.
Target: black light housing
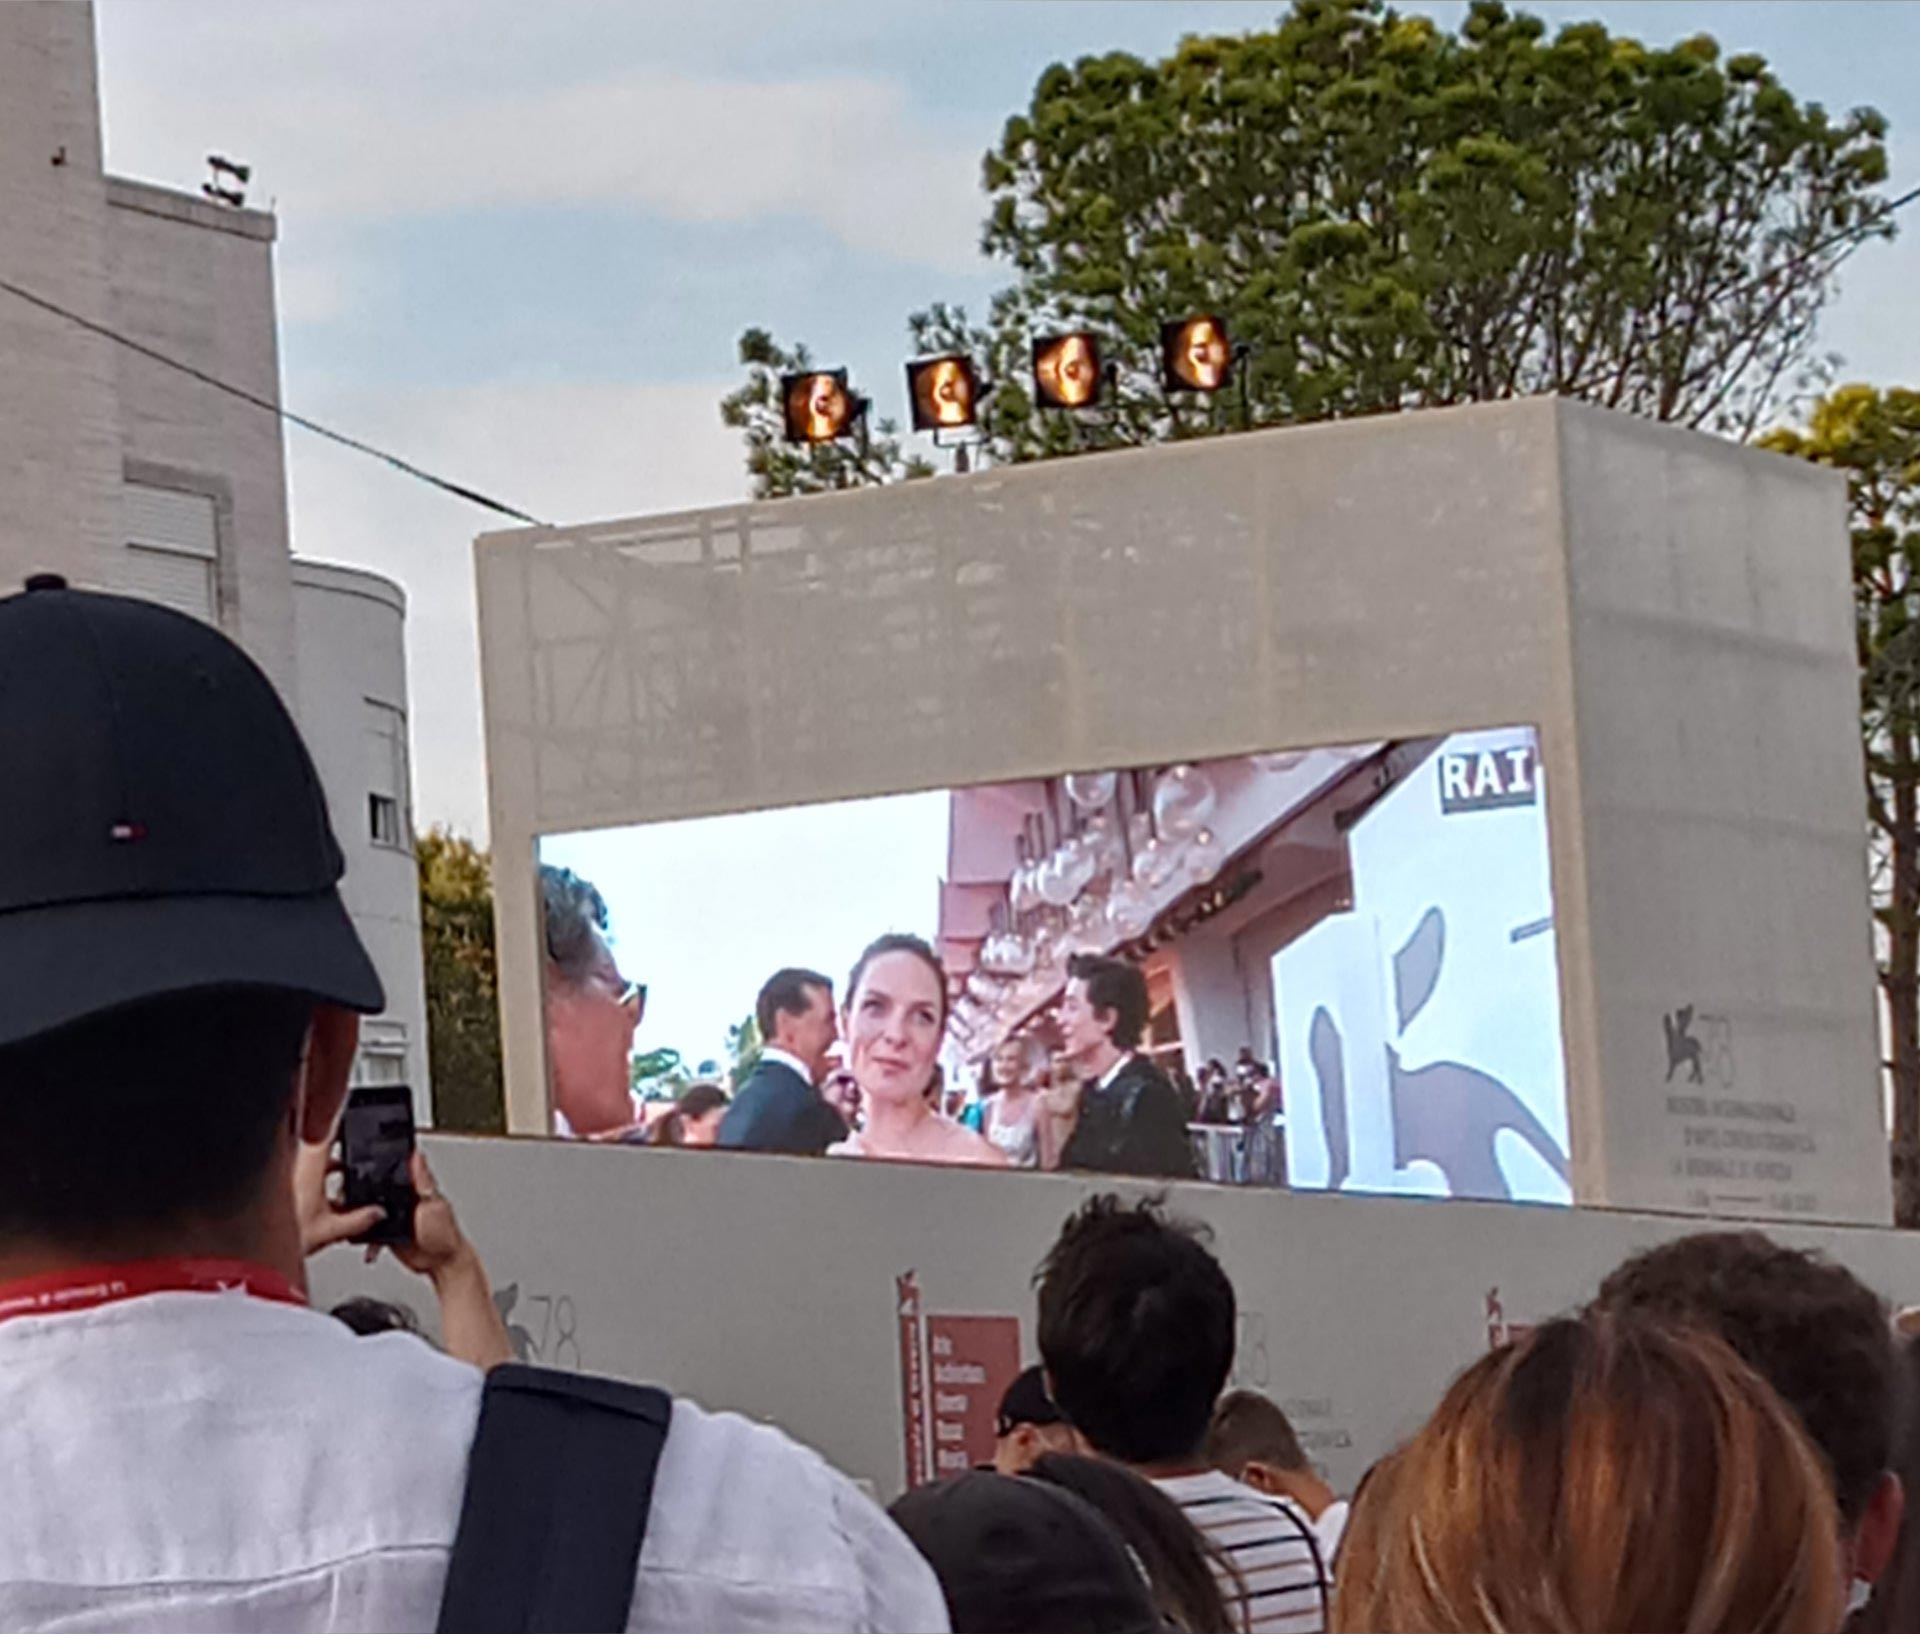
[
  {"x": 819, "y": 406},
  {"x": 944, "y": 392},
  {"x": 1066, "y": 370},
  {"x": 1195, "y": 354}
]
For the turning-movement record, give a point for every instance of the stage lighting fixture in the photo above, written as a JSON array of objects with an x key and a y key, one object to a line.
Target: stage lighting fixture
[
  {"x": 945, "y": 393},
  {"x": 1066, "y": 370},
  {"x": 1195, "y": 354},
  {"x": 818, "y": 405}
]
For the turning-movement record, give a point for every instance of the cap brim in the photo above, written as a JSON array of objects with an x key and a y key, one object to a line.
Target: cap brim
[{"x": 77, "y": 959}]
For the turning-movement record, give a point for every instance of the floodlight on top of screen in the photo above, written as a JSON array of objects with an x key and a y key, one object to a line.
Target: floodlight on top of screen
[
  {"x": 1195, "y": 354},
  {"x": 944, "y": 393},
  {"x": 819, "y": 406},
  {"x": 1067, "y": 372}
]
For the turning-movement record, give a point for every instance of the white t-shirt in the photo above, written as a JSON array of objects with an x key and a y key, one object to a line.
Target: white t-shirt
[
  {"x": 1270, "y": 1540},
  {"x": 1331, "y": 1527},
  {"x": 189, "y": 1461}
]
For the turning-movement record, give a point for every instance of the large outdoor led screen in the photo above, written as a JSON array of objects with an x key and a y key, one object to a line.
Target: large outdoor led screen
[{"x": 1329, "y": 968}]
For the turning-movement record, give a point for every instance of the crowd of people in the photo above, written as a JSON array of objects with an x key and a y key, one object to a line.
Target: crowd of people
[{"x": 1716, "y": 1442}]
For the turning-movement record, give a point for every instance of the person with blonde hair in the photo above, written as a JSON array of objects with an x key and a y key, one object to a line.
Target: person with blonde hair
[{"x": 1599, "y": 1474}]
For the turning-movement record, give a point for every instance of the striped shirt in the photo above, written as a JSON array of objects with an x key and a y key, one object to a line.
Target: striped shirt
[{"x": 1272, "y": 1544}]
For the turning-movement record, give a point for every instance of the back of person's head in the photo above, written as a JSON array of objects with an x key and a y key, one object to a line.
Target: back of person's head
[
  {"x": 1181, "y": 1565},
  {"x": 1895, "y": 1606},
  {"x": 1116, "y": 985},
  {"x": 169, "y": 920},
  {"x": 576, "y": 920},
  {"x": 695, "y": 1101},
  {"x": 1808, "y": 1326},
  {"x": 1599, "y": 1474},
  {"x": 1016, "y": 1556},
  {"x": 155, "y": 1114},
  {"x": 1246, "y": 1429},
  {"x": 367, "y": 1316},
  {"x": 1136, "y": 1329}
]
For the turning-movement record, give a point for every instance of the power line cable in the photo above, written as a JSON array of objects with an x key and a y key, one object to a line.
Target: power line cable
[
  {"x": 1855, "y": 233},
  {"x": 459, "y": 490}
]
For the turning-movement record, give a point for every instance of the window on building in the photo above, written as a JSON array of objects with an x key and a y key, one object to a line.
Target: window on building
[
  {"x": 383, "y": 820},
  {"x": 171, "y": 548},
  {"x": 388, "y": 815}
]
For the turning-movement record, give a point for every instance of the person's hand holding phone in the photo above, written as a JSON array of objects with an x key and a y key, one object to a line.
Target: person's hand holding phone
[
  {"x": 439, "y": 1246},
  {"x": 440, "y": 1251},
  {"x": 324, "y": 1220}
]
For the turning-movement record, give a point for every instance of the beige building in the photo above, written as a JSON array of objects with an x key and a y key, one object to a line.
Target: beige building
[{"x": 127, "y": 475}]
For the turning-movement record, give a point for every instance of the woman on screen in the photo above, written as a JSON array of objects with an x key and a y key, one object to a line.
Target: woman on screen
[
  {"x": 1012, "y": 1118},
  {"x": 894, "y": 1021}
]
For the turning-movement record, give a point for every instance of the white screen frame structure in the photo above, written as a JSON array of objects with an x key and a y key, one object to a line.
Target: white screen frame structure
[{"x": 1645, "y": 597}]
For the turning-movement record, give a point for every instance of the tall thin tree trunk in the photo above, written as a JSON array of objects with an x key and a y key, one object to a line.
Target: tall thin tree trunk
[{"x": 1901, "y": 981}]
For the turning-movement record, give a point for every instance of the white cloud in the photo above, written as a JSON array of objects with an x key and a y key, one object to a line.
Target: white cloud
[
  {"x": 565, "y": 452},
  {"x": 329, "y": 143}
]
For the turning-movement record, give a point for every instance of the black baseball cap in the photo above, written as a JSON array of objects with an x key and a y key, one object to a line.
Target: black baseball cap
[
  {"x": 1017, "y": 1556},
  {"x": 162, "y": 828},
  {"x": 1027, "y": 1402}
]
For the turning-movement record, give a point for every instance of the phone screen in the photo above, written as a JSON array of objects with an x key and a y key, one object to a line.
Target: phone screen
[{"x": 376, "y": 1144}]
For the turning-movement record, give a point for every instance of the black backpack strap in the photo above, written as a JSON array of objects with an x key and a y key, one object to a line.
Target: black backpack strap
[{"x": 559, "y": 1484}]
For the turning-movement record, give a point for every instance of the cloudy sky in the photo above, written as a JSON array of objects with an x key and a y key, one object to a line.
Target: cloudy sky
[{"x": 518, "y": 241}]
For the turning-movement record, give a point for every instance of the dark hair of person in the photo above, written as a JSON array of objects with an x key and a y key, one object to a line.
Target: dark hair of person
[
  {"x": 145, "y": 1117},
  {"x": 370, "y": 1316},
  {"x": 575, "y": 911},
  {"x": 695, "y": 1101},
  {"x": 901, "y": 942},
  {"x": 787, "y": 992},
  {"x": 1113, "y": 984},
  {"x": 1136, "y": 1329},
  {"x": 1806, "y": 1325},
  {"x": 1248, "y": 1428},
  {"x": 1180, "y": 1563},
  {"x": 1895, "y": 1606}
]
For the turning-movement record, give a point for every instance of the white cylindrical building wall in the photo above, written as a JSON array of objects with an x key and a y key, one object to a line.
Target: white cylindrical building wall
[
  {"x": 350, "y": 627},
  {"x": 59, "y": 416}
]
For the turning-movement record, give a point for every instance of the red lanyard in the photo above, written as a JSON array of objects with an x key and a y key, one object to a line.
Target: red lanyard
[{"x": 82, "y": 1288}]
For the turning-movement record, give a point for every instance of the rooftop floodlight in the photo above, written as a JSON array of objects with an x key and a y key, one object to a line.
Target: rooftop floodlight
[
  {"x": 945, "y": 393},
  {"x": 819, "y": 406},
  {"x": 1066, "y": 370},
  {"x": 1195, "y": 354}
]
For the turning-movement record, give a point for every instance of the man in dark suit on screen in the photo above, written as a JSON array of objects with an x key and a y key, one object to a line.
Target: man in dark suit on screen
[
  {"x": 1130, "y": 1118},
  {"x": 778, "y": 1109}
]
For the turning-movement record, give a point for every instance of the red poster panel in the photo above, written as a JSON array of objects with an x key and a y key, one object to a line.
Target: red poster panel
[
  {"x": 972, "y": 1360},
  {"x": 913, "y": 1377}
]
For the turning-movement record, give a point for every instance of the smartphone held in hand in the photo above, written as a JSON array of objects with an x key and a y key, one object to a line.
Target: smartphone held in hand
[{"x": 376, "y": 1147}]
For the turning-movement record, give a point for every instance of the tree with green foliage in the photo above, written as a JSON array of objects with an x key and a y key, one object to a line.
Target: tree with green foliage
[
  {"x": 1874, "y": 437},
  {"x": 462, "y": 981},
  {"x": 1390, "y": 215},
  {"x": 658, "y": 1075},
  {"x": 744, "y": 1045}
]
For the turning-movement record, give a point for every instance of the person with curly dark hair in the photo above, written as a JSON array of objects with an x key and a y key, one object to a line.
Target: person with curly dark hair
[
  {"x": 1136, "y": 1332},
  {"x": 1813, "y": 1331}
]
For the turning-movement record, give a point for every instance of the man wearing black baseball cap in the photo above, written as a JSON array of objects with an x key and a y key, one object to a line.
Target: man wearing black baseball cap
[
  {"x": 183, "y": 1444},
  {"x": 1028, "y": 1425}
]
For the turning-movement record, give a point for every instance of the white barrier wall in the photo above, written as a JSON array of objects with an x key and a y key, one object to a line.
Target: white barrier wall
[
  {"x": 768, "y": 1284},
  {"x": 1671, "y": 612}
]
